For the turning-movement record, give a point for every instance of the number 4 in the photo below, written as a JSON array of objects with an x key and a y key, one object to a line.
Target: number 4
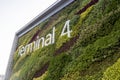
[{"x": 67, "y": 29}]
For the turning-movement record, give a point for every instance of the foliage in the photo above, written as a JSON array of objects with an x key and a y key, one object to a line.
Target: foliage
[
  {"x": 42, "y": 77},
  {"x": 56, "y": 66},
  {"x": 113, "y": 72},
  {"x": 93, "y": 56}
]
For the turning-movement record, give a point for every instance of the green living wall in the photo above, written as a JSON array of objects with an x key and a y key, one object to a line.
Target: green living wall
[{"x": 92, "y": 52}]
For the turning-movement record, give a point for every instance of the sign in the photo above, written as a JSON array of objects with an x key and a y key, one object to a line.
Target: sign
[
  {"x": 49, "y": 39},
  {"x": 71, "y": 40}
]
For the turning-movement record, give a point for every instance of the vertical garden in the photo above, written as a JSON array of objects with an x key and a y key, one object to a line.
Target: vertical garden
[{"x": 91, "y": 52}]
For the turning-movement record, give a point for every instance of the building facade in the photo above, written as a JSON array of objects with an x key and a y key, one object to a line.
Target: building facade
[{"x": 71, "y": 40}]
